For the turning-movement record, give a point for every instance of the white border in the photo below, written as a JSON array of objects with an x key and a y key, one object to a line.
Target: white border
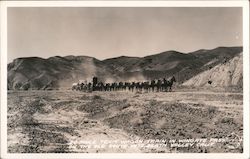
[{"x": 243, "y": 4}]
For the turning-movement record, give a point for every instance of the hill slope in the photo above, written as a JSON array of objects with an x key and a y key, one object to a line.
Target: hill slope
[
  {"x": 227, "y": 74},
  {"x": 54, "y": 72},
  {"x": 57, "y": 72}
]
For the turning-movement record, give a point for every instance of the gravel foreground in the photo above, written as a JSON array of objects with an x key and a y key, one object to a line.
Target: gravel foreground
[{"x": 67, "y": 121}]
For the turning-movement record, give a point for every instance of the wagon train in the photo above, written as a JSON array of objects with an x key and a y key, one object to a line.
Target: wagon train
[{"x": 158, "y": 85}]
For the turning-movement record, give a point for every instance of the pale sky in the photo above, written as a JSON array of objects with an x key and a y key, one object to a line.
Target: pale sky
[{"x": 110, "y": 32}]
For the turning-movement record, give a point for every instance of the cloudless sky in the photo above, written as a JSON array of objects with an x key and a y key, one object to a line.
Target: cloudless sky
[{"x": 110, "y": 32}]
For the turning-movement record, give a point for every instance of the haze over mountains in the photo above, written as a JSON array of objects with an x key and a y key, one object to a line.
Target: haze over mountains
[{"x": 60, "y": 72}]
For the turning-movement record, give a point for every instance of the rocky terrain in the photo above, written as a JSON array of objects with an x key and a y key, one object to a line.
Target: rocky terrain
[
  {"x": 196, "y": 117},
  {"x": 60, "y": 72},
  {"x": 228, "y": 74},
  {"x": 70, "y": 121}
]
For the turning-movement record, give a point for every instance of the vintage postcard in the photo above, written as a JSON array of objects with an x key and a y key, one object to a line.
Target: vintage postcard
[{"x": 122, "y": 79}]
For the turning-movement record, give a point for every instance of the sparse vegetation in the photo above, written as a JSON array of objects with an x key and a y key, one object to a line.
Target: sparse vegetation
[
  {"x": 212, "y": 110},
  {"x": 97, "y": 97},
  {"x": 227, "y": 120},
  {"x": 50, "y": 120}
]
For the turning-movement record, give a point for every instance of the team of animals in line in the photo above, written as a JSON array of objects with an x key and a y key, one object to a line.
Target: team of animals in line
[{"x": 159, "y": 85}]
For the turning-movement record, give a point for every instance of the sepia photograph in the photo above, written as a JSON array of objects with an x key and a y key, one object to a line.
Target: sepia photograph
[{"x": 161, "y": 80}]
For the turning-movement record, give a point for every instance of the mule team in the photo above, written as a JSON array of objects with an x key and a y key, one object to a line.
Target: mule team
[{"x": 152, "y": 86}]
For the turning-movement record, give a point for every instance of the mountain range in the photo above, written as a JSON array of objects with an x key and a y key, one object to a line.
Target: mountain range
[{"x": 60, "y": 72}]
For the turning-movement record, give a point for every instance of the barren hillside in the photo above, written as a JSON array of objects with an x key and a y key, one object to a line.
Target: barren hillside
[
  {"x": 227, "y": 74},
  {"x": 60, "y": 72}
]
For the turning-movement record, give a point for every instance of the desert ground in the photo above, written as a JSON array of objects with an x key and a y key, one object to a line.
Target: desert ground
[{"x": 72, "y": 121}]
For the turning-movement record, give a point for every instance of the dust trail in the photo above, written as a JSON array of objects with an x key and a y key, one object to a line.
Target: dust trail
[
  {"x": 84, "y": 72},
  {"x": 137, "y": 78},
  {"x": 109, "y": 80},
  {"x": 89, "y": 69}
]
